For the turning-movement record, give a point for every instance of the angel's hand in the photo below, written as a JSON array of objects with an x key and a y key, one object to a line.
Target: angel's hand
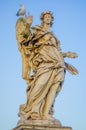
[{"x": 29, "y": 19}]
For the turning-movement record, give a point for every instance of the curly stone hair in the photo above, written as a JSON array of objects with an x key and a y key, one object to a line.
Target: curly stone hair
[{"x": 47, "y": 12}]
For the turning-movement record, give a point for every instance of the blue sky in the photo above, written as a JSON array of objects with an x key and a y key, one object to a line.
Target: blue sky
[{"x": 70, "y": 28}]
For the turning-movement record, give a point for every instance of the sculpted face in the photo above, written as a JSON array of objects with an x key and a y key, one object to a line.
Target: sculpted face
[{"x": 47, "y": 18}]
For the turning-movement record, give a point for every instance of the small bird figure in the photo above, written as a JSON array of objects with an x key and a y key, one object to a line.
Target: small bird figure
[{"x": 21, "y": 11}]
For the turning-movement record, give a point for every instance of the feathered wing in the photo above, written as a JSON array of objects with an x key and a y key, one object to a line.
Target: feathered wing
[
  {"x": 20, "y": 27},
  {"x": 25, "y": 66},
  {"x": 71, "y": 69}
]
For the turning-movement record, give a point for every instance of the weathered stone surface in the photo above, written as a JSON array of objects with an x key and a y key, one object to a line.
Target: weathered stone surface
[
  {"x": 41, "y": 52},
  {"x": 41, "y": 125},
  {"x": 32, "y": 127}
]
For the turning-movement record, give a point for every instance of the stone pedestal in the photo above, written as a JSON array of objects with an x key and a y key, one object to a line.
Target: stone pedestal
[
  {"x": 27, "y": 127},
  {"x": 41, "y": 125}
]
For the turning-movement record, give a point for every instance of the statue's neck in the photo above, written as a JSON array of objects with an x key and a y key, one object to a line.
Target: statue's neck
[{"x": 46, "y": 26}]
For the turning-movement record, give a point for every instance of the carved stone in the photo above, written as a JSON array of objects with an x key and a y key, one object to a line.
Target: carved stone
[
  {"x": 41, "y": 52},
  {"x": 24, "y": 127},
  {"x": 41, "y": 125}
]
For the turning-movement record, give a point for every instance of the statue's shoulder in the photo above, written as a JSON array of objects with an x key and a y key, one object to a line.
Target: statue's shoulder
[{"x": 38, "y": 27}]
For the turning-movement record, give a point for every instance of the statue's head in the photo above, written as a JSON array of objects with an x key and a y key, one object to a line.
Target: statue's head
[{"x": 47, "y": 17}]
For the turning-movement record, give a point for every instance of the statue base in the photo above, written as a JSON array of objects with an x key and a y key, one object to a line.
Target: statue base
[{"x": 41, "y": 125}]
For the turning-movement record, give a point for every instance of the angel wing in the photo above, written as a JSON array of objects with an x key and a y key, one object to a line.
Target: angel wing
[
  {"x": 71, "y": 69},
  {"x": 25, "y": 65},
  {"x": 20, "y": 27}
]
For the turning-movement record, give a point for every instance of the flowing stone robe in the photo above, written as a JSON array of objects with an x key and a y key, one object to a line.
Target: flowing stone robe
[
  {"x": 41, "y": 52},
  {"x": 44, "y": 57}
]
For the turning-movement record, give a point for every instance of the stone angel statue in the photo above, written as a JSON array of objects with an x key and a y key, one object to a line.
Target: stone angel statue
[{"x": 41, "y": 52}]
